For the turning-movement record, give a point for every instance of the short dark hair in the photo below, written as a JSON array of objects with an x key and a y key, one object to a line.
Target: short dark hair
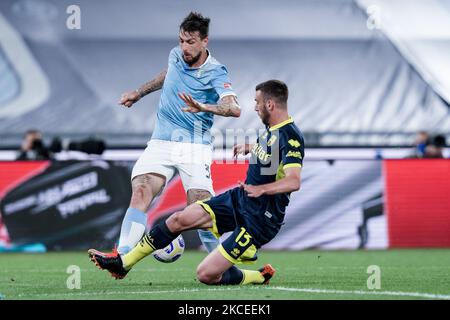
[
  {"x": 274, "y": 89},
  {"x": 196, "y": 22}
]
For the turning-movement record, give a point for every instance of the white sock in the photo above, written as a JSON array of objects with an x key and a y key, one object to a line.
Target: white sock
[
  {"x": 210, "y": 242},
  {"x": 133, "y": 228}
]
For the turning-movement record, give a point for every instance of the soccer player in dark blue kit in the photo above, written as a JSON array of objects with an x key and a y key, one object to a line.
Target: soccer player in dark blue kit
[{"x": 254, "y": 211}]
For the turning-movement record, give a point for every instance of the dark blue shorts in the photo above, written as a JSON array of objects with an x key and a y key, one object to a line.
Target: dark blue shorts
[{"x": 225, "y": 211}]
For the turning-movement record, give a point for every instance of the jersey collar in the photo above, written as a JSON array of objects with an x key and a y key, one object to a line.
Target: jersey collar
[
  {"x": 186, "y": 66},
  {"x": 207, "y": 59},
  {"x": 281, "y": 124}
]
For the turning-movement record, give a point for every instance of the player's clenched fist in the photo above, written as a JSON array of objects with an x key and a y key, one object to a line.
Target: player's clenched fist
[{"x": 127, "y": 99}]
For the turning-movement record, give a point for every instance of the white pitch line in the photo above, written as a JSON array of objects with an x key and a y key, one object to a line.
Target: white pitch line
[
  {"x": 131, "y": 292},
  {"x": 306, "y": 290},
  {"x": 361, "y": 292}
]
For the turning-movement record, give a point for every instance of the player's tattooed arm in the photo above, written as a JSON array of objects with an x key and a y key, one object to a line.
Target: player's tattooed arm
[
  {"x": 129, "y": 98},
  {"x": 227, "y": 107},
  {"x": 153, "y": 85}
]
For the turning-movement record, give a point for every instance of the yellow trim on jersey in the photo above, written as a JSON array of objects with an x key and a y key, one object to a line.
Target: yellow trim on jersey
[
  {"x": 243, "y": 259},
  {"x": 281, "y": 124},
  {"x": 292, "y": 165},
  {"x": 226, "y": 255},
  {"x": 210, "y": 211},
  {"x": 280, "y": 172}
]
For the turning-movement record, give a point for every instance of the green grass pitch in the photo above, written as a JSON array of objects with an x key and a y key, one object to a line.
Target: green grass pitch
[{"x": 404, "y": 274}]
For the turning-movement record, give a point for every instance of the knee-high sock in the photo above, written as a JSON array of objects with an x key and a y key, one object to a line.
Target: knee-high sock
[
  {"x": 232, "y": 276},
  {"x": 133, "y": 228},
  {"x": 252, "y": 277},
  {"x": 157, "y": 238},
  {"x": 235, "y": 276},
  {"x": 210, "y": 242}
]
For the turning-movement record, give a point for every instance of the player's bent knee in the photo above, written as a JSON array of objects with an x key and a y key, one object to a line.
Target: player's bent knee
[
  {"x": 178, "y": 222},
  {"x": 192, "y": 217},
  {"x": 206, "y": 277}
]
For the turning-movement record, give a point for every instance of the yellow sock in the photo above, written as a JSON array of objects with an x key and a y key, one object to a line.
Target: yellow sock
[
  {"x": 252, "y": 277},
  {"x": 140, "y": 251}
]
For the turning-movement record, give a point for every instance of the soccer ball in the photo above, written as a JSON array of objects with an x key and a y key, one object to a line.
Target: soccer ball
[{"x": 172, "y": 252}]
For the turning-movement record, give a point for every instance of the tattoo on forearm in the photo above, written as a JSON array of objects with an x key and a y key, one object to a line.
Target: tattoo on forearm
[
  {"x": 152, "y": 85},
  {"x": 227, "y": 107}
]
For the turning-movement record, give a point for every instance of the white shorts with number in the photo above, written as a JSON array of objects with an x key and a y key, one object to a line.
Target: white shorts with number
[{"x": 191, "y": 160}]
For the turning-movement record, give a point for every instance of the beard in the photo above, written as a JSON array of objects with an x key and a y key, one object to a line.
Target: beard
[
  {"x": 193, "y": 60},
  {"x": 264, "y": 115}
]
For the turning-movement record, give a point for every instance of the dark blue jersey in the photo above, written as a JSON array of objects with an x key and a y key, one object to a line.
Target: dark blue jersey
[{"x": 278, "y": 148}]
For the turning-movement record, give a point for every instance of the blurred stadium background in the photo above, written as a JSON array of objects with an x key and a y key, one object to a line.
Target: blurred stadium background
[{"x": 365, "y": 77}]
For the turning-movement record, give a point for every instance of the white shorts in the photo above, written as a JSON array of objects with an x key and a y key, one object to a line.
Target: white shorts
[{"x": 191, "y": 160}]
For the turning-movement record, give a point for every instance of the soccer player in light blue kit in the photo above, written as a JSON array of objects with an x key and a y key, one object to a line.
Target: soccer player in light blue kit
[{"x": 181, "y": 140}]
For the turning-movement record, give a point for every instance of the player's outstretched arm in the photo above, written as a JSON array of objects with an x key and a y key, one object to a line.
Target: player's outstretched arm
[
  {"x": 290, "y": 183},
  {"x": 129, "y": 98},
  {"x": 227, "y": 107}
]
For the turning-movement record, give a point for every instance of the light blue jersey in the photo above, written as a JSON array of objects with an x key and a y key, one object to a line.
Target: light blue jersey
[{"x": 206, "y": 84}]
